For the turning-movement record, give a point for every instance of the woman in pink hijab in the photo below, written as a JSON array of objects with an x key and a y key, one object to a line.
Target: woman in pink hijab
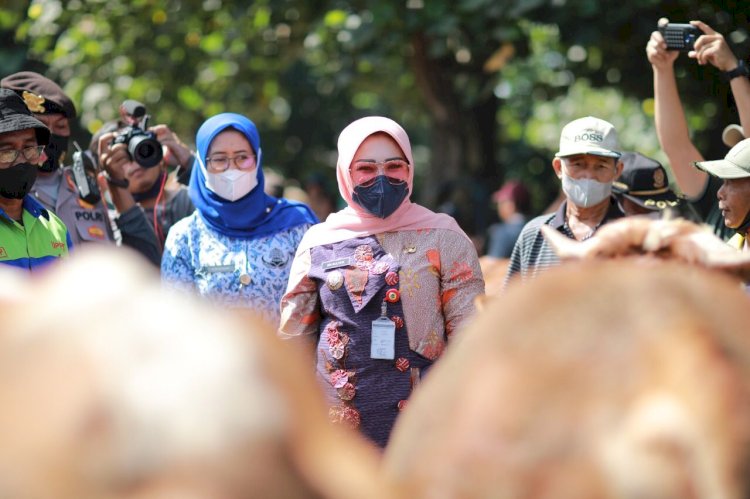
[{"x": 381, "y": 285}]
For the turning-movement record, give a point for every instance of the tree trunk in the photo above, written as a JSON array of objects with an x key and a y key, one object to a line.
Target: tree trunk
[{"x": 462, "y": 166}]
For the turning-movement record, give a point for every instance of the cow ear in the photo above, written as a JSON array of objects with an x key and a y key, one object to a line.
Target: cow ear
[{"x": 659, "y": 452}]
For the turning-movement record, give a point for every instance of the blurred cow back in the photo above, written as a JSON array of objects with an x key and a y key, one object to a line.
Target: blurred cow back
[
  {"x": 113, "y": 388},
  {"x": 596, "y": 380}
]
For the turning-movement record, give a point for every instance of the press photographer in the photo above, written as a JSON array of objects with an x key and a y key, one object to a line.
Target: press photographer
[
  {"x": 135, "y": 157},
  {"x": 87, "y": 218},
  {"x": 142, "y": 145}
]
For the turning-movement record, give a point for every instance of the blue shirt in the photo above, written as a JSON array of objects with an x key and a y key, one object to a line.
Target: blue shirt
[{"x": 236, "y": 272}]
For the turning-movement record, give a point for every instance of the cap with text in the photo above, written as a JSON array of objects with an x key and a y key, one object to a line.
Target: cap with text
[
  {"x": 589, "y": 135},
  {"x": 644, "y": 181},
  {"x": 736, "y": 164}
]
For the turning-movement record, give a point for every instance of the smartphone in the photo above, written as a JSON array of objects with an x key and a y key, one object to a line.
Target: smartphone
[{"x": 680, "y": 36}]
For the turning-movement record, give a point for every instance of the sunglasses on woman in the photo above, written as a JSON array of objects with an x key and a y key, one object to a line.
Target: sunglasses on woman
[{"x": 364, "y": 172}]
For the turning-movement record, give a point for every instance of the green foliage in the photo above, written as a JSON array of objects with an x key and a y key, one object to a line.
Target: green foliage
[{"x": 303, "y": 69}]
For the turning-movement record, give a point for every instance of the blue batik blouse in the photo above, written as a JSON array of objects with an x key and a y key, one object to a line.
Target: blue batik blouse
[{"x": 235, "y": 272}]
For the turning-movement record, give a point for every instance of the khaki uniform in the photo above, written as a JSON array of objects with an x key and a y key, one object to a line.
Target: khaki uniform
[{"x": 91, "y": 223}]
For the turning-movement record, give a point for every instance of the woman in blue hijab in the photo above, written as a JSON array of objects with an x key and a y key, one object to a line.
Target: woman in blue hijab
[{"x": 238, "y": 245}]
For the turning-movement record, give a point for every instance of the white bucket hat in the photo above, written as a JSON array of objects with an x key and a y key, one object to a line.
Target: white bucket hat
[{"x": 736, "y": 164}]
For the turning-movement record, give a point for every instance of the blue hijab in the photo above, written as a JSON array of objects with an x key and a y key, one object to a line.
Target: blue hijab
[{"x": 256, "y": 214}]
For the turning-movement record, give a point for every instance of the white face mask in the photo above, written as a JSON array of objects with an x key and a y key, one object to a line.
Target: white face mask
[
  {"x": 232, "y": 184},
  {"x": 585, "y": 192}
]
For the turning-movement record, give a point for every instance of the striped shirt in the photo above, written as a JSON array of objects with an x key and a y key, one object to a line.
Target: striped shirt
[
  {"x": 41, "y": 239},
  {"x": 532, "y": 253}
]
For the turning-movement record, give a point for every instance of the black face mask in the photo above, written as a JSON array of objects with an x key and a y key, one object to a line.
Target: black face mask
[
  {"x": 56, "y": 151},
  {"x": 381, "y": 198},
  {"x": 16, "y": 181}
]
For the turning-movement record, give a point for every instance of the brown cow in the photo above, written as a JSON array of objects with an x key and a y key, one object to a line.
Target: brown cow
[
  {"x": 603, "y": 380},
  {"x": 494, "y": 268},
  {"x": 112, "y": 388},
  {"x": 676, "y": 239},
  {"x": 635, "y": 236}
]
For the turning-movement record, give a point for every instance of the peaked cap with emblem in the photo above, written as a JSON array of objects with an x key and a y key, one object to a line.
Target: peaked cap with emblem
[
  {"x": 644, "y": 181},
  {"x": 15, "y": 116},
  {"x": 41, "y": 95}
]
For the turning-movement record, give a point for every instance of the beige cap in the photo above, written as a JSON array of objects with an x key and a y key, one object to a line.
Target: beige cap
[
  {"x": 732, "y": 134},
  {"x": 589, "y": 135},
  {"x": 736, "y": 164}
]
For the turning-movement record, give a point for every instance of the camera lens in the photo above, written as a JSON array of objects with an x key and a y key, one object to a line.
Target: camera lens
[{"x": 145, "y": 150}]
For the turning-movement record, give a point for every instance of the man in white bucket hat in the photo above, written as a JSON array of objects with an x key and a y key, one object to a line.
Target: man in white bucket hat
[{"x": 734, "y": 194}]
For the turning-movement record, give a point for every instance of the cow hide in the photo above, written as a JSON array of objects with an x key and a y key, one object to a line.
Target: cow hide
[
  {"x": 594, "y": 380},
  {"x": 114, "y": 388}
]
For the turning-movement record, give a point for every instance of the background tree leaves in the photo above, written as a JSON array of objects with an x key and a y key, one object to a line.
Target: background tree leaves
[{"x": 482, "y": 86}]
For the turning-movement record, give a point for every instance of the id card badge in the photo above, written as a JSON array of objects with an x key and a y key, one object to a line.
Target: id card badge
[{"x": 383, "y": 337}]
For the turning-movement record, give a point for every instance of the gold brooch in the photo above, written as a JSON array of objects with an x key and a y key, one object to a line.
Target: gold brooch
[{"x": 34, "y": 102}]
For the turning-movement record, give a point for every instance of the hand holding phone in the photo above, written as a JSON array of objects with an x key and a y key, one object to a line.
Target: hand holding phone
[{"x": 680, "y": 37}]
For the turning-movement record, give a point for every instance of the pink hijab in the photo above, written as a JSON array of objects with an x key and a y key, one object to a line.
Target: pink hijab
[{"x": 354, "y": 221}]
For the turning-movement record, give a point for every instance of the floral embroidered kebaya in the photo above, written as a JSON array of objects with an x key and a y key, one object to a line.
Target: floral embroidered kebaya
[{"x": 378, "y": 297}]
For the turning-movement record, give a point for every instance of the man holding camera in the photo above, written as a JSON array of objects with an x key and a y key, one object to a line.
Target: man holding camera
[
  {"x": 671, "y": 126},
  {"x": 137, "y": 154},
  {"x": 55, "y": 187}
]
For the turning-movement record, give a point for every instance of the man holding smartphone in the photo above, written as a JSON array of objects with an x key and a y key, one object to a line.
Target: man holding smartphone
[{"x": 671, "y": 125}]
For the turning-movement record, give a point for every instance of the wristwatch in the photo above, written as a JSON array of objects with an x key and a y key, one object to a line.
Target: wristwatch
[{"x": 740, "y": 70}]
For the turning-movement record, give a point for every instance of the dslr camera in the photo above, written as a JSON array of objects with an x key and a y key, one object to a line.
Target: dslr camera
[
  {"x": 680, "y": 37},
  {"x": 143, "y": 146}
]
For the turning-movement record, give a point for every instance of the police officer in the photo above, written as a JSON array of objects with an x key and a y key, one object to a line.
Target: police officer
[
  {"x": 55, "y": 187},
  {"x": 643, "y": 189}
]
